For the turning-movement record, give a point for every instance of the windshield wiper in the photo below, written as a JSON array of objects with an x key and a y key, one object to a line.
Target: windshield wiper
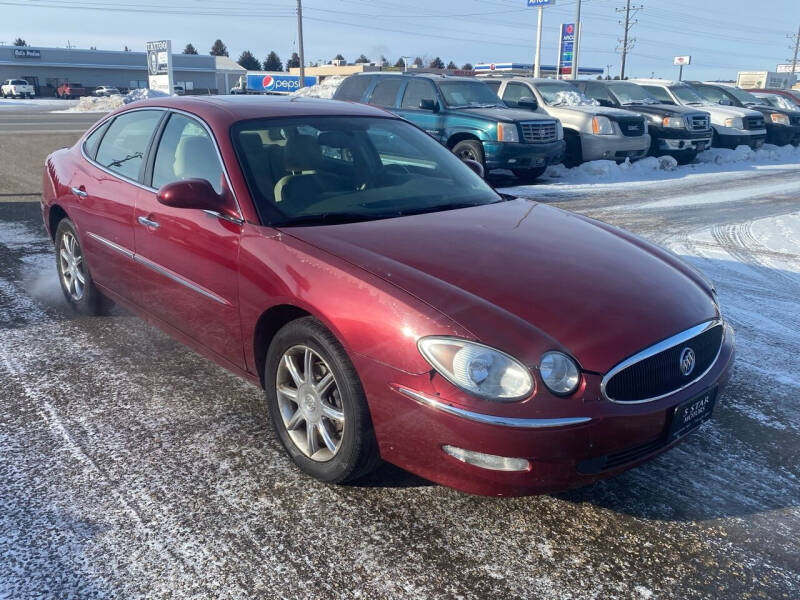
[
  {"x": 632, "y": 103},
  {"x": 337, "y": 218}
]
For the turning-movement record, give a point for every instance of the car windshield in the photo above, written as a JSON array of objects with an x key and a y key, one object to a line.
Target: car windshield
[
  {"x": 461, "y": 94},
  {"x": 563, "y": 94},
  {"x": 328, "y": 170},
  {"x": 687, "y": 95},
  {"x": 742, "y": 96},
  {"x": 630, "y": 93},
  {"x": 777, "y": 101}
]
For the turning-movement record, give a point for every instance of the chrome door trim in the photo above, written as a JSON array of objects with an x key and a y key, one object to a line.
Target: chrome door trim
[
  {"x": 674, "y": 340},
  {"x": 121, "y": 249},
  {"x": 178, "y": 279},
  {"x": 485, "y": 419}
]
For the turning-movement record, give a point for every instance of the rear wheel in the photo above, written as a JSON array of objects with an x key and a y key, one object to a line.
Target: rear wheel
[
  {"x": 73, "y": 273},
  {"x": 316, "y": 404},
  {"x": 529, "y": 175},
  {"x": 470, "y": 150}
]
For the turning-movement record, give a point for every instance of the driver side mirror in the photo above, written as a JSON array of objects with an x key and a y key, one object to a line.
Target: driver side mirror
[
  {"x": 197, "y": 194},
  {"x": 725, "y": 102},
  {"x": 429, "y": 104},
  {"x": 528, "y": 102},
  {"x": 603, "y": 102},
  {"x": 475, "y": 166}
]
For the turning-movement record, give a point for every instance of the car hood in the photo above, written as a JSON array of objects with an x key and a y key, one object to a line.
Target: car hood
[
  {"x": 503, "y": 114},
  {"x": 522, "y": 275},
  {"x": 722, "y": 110},
  {"x": 662, "y": 110},
  {"x": 593, "y": 109}
]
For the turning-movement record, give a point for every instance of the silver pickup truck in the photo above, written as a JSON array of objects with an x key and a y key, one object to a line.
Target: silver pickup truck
[{"x": 591, "y": 131}]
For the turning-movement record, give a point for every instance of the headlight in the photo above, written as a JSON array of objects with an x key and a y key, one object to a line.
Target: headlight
[
  {"x": 559, "y": 373},
  {"x": 507, "y": 132},
  {"x": 736, "y": 123},
  {"x": 674, "y": 122},
  {"x": 478, "y": 369},
  {"x": 779, "y": 118},
  {"x": 602, "y": 126}
]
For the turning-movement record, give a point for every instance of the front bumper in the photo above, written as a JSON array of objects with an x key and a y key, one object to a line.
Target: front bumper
[
  {"x": 411, "y": 431},
  {"x": 613, "y": 147},
  {"x": 754, "y": 140},
  {"x": 780, "y": 135},
  {"x": 515, "y": 155}
]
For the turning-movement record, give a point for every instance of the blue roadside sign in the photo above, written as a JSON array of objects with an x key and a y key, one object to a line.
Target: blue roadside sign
[
  {"x": 566, "y": 48},
  {"x": 540, "y": 2}
]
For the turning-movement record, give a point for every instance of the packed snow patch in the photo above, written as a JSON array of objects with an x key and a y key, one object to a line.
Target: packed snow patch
[
  {"x": 325, "y": 89},
  {"x": 105, "y": 104},
  {"x": 572, "y": 98}
]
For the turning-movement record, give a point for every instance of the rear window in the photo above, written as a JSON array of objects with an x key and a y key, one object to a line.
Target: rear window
[
  {"x": 353, "y": 88},
  {"x": 18, "y": 82},
  {"x": 385, "y": 93},
  {"x": 93, "y": 140}
]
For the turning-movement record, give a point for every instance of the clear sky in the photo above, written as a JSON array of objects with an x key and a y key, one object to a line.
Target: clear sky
[{"x": 722, "y": 36}]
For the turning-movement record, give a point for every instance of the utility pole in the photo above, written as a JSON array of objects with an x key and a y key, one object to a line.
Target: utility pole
[
  {"x": 608, "y": 71},
  {"x": 627, "y": 41},
  {"x": 577, "y": 46},
  {"x": 796, "y": 38},
  {"x": 300, "y": 43}
]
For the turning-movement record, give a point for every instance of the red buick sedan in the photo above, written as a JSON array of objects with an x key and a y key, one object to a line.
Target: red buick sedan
[{"x": 391, "y": 304}]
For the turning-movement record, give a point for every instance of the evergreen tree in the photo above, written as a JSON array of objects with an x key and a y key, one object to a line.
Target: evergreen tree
[
  {"x": 293, "y": 62},
  {"x": 467, "y": 66},
  {"x": 418, "y": 61},
  {"x": 452, "y": 65},
  {"x": 273, "y": 62},
  {"x": 339, "y": 57},
  {"x": 219, "y": 49},
  {"x": 248, "y": 61},
  {"x": 436, "y": 63},
  {"x": 189, "y": 49},
  {"x": 362, "y": 59},
  {"x": 400, "y": 63},
  {"x": 20, "y": 42}
]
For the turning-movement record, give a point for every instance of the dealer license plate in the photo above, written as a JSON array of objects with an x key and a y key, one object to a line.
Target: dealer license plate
[{"x": 692, "y": 413}]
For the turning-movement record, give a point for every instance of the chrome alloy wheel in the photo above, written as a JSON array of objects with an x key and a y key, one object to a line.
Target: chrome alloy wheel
[
  {"x": 310, "y": 403},
  {"x": 71, "y": 265}
]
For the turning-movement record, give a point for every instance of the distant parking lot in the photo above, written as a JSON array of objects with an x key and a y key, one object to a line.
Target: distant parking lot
[{"x": 132, "y": 467}]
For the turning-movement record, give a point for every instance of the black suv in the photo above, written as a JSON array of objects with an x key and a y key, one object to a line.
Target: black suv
[
  {"x": 677, "y": 131},
  {"x": 465, "y": 115},
  {"x": 783, "y": 126}
]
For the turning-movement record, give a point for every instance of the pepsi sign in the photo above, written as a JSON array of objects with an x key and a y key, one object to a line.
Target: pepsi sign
[{"x": 276, "y": 83}]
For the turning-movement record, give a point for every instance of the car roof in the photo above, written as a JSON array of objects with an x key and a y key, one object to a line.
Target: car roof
[
  {"x": 436, "y": 76},
  {"x": 224, "y": 110},
  {"x": 527, "y": 78},
  {"x": 651, "y": 81}
]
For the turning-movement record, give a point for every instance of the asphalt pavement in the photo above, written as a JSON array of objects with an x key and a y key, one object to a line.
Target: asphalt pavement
[{"x": 132, "y": 467}]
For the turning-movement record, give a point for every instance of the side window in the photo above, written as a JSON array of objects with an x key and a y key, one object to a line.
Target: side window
[
  {"x": 417, "y": 90},
  {"x": 125, "y": 142},
  {"x": 513, "y": 93},
  {"x": 385, "y": 93},
  {"x": 186, "y": 151},
  {"x": 659, "y": 94},
  {"x": 597, "y": 91},
  {"x": 93, "y": 140},
  {"x": 353, "y": 88},
  {"x": 495, "y": 85}
]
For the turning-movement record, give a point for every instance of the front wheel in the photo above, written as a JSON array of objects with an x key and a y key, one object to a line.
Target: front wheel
[
  {"x": 73, "y": 273},
  {"x": 529, "y": 175},
  {"x": 470, "y": 150},
  {"x": 316, "y": 404}
]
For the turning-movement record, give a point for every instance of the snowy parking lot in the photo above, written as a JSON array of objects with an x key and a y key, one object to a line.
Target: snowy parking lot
[{"x": 132, "y": 467}]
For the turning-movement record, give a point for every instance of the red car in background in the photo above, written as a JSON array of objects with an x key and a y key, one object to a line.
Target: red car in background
[
  {"x": 391, "y": 304},
  {"x": 792, "y": 95}
]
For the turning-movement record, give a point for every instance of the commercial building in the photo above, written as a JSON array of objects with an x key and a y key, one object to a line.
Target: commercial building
[
  {"x": 526, "y": 69},
  {"x": 47, "y": 68}
]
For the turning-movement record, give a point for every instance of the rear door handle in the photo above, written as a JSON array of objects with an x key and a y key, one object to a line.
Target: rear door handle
[
  {"x": 79, "y": 192},
  {"x": 148, "y": 223}
]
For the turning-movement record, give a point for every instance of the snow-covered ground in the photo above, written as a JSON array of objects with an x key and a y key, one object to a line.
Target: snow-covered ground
[
  {"x": 11, "y": 103},
  {"x": 104, "y": 104}
]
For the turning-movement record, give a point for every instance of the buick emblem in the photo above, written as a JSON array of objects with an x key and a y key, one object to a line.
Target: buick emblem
[{"x": 687, "y": 361}]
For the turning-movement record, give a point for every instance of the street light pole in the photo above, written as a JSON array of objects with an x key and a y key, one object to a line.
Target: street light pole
[
  {"x": 577, "y": 45},
  {"x": 536, "y": 60},
  {"x": 300, "y": 43}
]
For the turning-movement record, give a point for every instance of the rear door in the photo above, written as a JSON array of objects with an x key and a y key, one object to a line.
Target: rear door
[
  {"x": 416, "y": 90},
  {"x": 105, "y": 186},
  {"x": 187, "y": 259}
]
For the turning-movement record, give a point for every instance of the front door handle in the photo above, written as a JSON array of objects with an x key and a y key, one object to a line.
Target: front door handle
[
  {"x": 148, "y": 223},
  {"x": 80, "y": 193}
]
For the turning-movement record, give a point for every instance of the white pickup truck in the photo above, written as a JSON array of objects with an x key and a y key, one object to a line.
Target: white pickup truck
[{"x": 16, "y": 88}]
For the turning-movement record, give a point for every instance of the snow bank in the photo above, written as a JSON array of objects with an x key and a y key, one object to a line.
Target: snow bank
[
  {"x": 665, "y": 167},
  {"x": 326, "y": 89},
  {"x": 105, "y": 104}
]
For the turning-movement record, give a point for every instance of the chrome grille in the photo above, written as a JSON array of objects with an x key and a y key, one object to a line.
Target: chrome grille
[
  {"x": 631, "y": 127},
  {"x": 699, "y": 122},
  {"x": 794, "y": 120},
  {"x": 656, "y": 371},
  {"x": 753, "y": 122},
  {"x": 538, "y": 132}
]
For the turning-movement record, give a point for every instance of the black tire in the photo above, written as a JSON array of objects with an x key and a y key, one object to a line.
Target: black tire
[
  {"x": 529, "y": 175},
  {"x": 471, "y": 150},
  {"x": 91, "y": 302},
  {"x": 358, "y": 453},
  {"x": 573, "y": 156}
]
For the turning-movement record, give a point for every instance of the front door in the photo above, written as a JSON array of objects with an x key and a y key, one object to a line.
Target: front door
[
  {"x": 187, "y": 259},
  {"x": 432, "y": 122}
]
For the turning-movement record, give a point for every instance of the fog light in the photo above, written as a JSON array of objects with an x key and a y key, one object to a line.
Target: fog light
[{"x": 487, "y": 461}]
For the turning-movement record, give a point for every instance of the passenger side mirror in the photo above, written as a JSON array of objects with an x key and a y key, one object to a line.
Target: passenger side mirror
[
  {"x": 429, "y": 104},
  {"x": 528, "y": 102},
  {"x": 193, "y": 193},
  {"x": 725, "y": 102},
  {"x": 475, "y": 166},
  {"x": 603, "y": 102}
]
